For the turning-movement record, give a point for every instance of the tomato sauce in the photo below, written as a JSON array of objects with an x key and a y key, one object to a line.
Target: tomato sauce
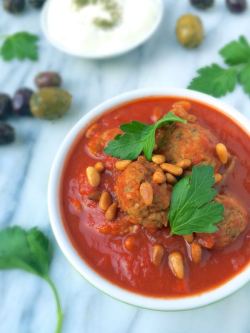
[{"x": 133, "y": 270}]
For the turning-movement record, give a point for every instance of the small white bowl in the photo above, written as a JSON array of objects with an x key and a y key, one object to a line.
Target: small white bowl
[
  {"x": 155, "y": 303},
  {"x": 60, "y": 46}
]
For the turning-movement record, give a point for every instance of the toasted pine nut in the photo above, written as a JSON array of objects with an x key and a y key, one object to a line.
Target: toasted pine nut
[
  {"x": 134, "y": 228},
  {"x": 171, "y": 179},
  {"x": 189, "y": 238},
  {"x": 130, "y": 243},
  {"x": 196, "y": 252},
  {"x": 176, "y": 264},
  {"x": 95, "y": 195},
  {"x": 171, "y": 168},
  {"x": 111, "y": 212},
  {"x": 158, "y": 159},
  {"x": 222, "y": 153},
  {"x": 157, "y": 254},
  {"x": 217, "y": 178},
  {"x": 121, "y": 165},
  {"x": 159, "y": 177},
  {"x": 184, "y": 164},
  {"x": 184, "y": 104},
  {"x": 99, "y": 166},
  {"x": 105, "y": 200},
  {"x": 146, "y": 192},
  {"x": 93, "y": 176}
]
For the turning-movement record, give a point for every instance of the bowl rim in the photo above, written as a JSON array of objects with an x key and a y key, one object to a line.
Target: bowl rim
[
  {"x": 89, "y": 55},
  {"x": 101, "y": 283}
]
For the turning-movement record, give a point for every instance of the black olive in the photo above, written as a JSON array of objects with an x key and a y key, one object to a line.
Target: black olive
[
  {"x": 36, "y": 3},
  {"x": 48, "y": 79},
  {"x": 21, "y": 102},
  {"x": 7, "y": 134},
  {"x": 5, "y": 106},
  {"x": 236, "y": 6},
  {"x": 202, "y": 4},
  {"x": 14, "y": 6}
]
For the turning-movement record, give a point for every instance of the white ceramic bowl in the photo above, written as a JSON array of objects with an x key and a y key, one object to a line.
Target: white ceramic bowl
[
  {"x": 60, "y": 46},
  {"x": 63, "y": 240}
]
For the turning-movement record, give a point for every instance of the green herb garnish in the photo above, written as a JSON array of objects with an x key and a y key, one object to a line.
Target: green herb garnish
[
  {"x": 30, "y": 251},
  {"x": 21, "y": 45},
  {"x": 218, "y": 81},
  {"x": 138, "y": 137},
  {"x": 110, "y": 6},
  {"x": 192, "y": 207}
]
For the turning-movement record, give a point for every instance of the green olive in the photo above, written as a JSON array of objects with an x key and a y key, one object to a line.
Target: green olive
[
  {"x": 50, "y": 103},
  {"x": 189, "y": 31}
]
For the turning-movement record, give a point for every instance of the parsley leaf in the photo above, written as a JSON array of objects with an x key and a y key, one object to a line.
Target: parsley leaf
[
  {"x": 215, "y": 80},
  {"x": 192, "y": 207},
  {"x": 138, "y": 137},
  {"x": 244, "y": 78},
  {"x": 21, "y": 45},
  {"x": 30, "y": 251},
  {"x": 237, "y": 52}
]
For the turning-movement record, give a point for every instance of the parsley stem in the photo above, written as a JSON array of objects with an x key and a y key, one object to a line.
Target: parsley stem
[{"x": 58, "y": 305}]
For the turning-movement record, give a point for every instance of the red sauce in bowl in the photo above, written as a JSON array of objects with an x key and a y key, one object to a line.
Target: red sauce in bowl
[{"x": 133, "y": 270}]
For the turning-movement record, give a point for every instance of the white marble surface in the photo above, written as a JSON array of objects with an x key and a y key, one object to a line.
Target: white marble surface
[{"x": 26, "y": 304}]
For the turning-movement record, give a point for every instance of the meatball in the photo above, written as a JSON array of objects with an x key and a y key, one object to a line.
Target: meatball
[
  {"x": 234, "y": 223},
  {"x": 188, "y": 141},
  {"x": 129, "y": 196}
]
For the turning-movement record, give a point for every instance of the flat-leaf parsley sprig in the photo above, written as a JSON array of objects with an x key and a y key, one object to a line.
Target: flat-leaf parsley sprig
[
  {"x": 216, "y": 80},
  {"x": 21, "y": 45},
  {"x": 29, "y": 250},
  {"x": 193, "y": 208},
  {"x": 137, "y": 138}
]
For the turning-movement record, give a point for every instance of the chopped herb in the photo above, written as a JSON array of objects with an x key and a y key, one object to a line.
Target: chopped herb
[
  {"x": 218, "y": 81},
  {"x": 30, "y": 251},
  {"x": 193, "y": 208},
  {"x": 110, "y": 6},
  {"x": 138, "y": 137},
  {"x": 21, "y": 45}
]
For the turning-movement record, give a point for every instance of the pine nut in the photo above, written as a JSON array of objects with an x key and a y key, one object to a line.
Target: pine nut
[
  {"x": 171, "y": 168},
  {"x": 189, "y": 238},
  {"x": 134, "y": 228},
  {"x": 105, "y": 200},
  {"x": 157, "y": 254},
  {"x": 158, "y": 159},
  {"x": 217, "y": 178},
  {"x": 99, "y": 166},
  {"x": 111, "y": 212},
  {"x": 130, "y": 243},
  {"x": 176, "y": 264},
  {"x": 196, "y": 252},
  {"x": 171, "y": 179},
  {"x": 159, "y": 177},
  {"x": 93, "y": 176},
  {"x": 184, "y": 164},
  {"x": 222, "y": 153},
  {"x": 121, "y": 165},
  {"x": 146, "y": 192}
]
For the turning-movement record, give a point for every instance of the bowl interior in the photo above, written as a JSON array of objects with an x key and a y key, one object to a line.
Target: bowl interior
[{"x": 68, "y": 249}]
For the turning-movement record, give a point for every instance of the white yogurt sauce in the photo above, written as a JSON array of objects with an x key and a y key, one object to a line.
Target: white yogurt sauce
[{"x": 73, "y": 29}]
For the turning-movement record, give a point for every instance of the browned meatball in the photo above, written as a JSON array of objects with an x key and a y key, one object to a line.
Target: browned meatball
[
  {"x": 234, "y": 223},
  {"x": 188, "y": 141},
  {"x": 129, "y": 196}
]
